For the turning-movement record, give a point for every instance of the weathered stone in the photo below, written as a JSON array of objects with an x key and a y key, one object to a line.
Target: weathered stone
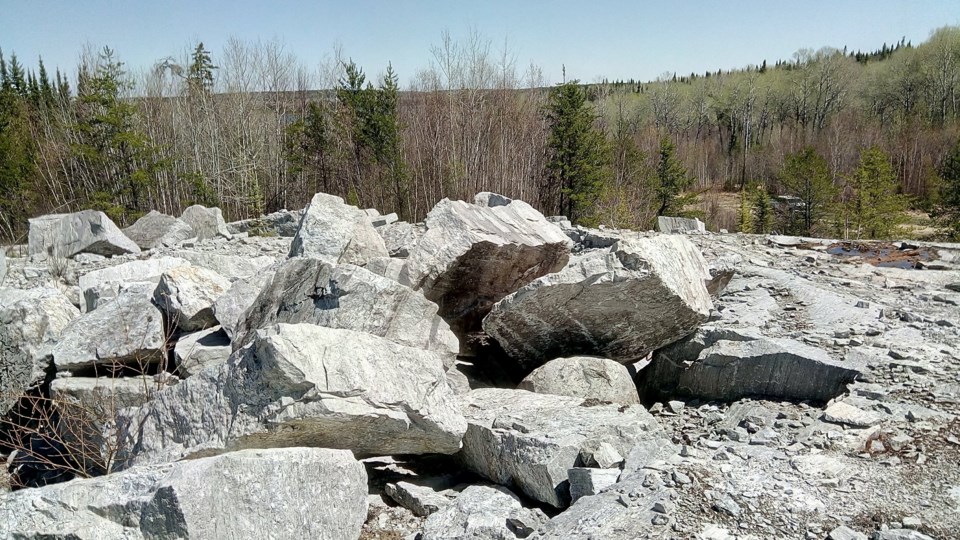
[
  {"x": 335, "y": 232},
  {"x": 401, "y": 238},
  {"x": 306, "y": 290},
  {"x": 900, "y": 534},
  {"x": 305, "y": 385},
  {"x": 285, "y": 493},
  {"x": 229, "y": 266},
  {"x": 158, "y": 230},
  {"x": 382, "y": 221},
  {"x": 729, "y": 365},
  {"x": 846, "y": 533},
  {"x": 532, "y": 440},
  {"x": 102, "y": 285},
  {"x": 89, "y": 231},
  {"x": 206, "y": 222},
  {"x": 849, "y": 415},
  {"x": 621, "y": 303},
  {"x": 421, "y": 500},
  {"x": 282, "y": 223},
  {"x": 387, "y": 267},
  {"x": 125, "y": 331},
  {"x": 230, "y": 306},
  {"x": 30, "y": 321},
  {"x": 487, "y": 512},
  {"x": 604, "y": 456},
  {"x": 3, "y": 265},
  {"x": 187, "y": 294},
  {"x": 472, "y": 256},
  {"x": 585, "y": 377},
  {"x": 674, "y": 225},
  {"x": 586, "y": 481},
  {"x": 489, "y": 200},
  {"x": 201, "y": 350}
]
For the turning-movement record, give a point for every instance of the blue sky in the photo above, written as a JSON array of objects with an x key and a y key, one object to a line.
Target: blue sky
[{"x": 594, "y": 38}]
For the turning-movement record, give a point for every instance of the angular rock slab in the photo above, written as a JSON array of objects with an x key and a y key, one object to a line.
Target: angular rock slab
[
  {"x": 401, "y": 237},
  {"x": 515, "y": 437},
  {"x": 675, "y": 225},
  {"x": 206, "y": 223},
  {"x": 583, "y": 377},
  {"x": 304, "y": 385},
  {"x": 126, "y": 331},
  {"x": 158, "y": 230},
  {"x": 187, "y": 294},
  {"x": 336, "y": 232},
  {"x": 89, "y": 231},
  {"x": 201, "y": 350},
  {"x": 728, "y": 365},
  {"x": 621, "y": 303},
  {"x": 488, "y": 512},
  {"x": 472, "y": 256},
  {"x": 306, "y": 290},
  {"x": 288, "y": 493},
  {"x": 229, "y": 308},
  {"x": 30, "y": 321},
  {"x": 102, "y": 285}
]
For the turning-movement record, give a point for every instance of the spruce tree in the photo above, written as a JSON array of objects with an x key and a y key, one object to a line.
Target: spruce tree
[
  {"x": 872, "y": 208},
  {"x": 672, "y": 180},
  {"x": 577, "y": 169},
  {"x": 806, "y": 175},
  {"x": 200, "y": 73}
]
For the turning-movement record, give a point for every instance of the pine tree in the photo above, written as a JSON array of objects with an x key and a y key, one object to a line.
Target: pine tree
[
  {"x": 871, "y": 206},
  {"x": 948, "y": 207},
  {"x": 200, "y": 73},
  {"x": 577, "y": 169},
  {"x": 806, "y": 175},
  {"x": 672, "y": 180},
  {"x": 756, "y": 210},
  {"x": 386, "y": 141}
]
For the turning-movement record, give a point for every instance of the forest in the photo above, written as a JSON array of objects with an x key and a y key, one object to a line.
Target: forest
[{"x": 830, "y": 142}]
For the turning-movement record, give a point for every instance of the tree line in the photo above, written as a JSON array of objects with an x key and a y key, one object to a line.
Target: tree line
[{"x": 829, "y": 142}]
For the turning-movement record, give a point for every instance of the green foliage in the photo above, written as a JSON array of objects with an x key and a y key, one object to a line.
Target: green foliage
[
  {"x": 578, "y": 165},
  {"x": 202, "y": 192},
  {"x": 806, "y": 175},
  {"x": 756, "y": 210},
  {"x": 200, "y": 73},
  {"x": 17, "y": 149},
  {"x": 672, "y": 180},
  {"x": 947, "y": 211},
  {"x": 870, "y": 206}
]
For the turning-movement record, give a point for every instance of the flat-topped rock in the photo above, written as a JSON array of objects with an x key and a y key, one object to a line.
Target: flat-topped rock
[{"x": 88, "y": 231}]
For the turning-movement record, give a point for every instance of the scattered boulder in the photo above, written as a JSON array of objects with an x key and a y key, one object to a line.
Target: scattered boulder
[
  {"x": 89, "y": 231},
  {"x": 304, "y": 385},
  {"x": 489, "y": 512},
  {"x": 472, "y": 256},
  {"x": 306, "y": 290},
  {"x": 336, "y": 232},
  {"x": 421, "y": 500},
  {"x": 201, "y": 350},
  {"x": 586, "y": 481},
  {"x": 584, "y": 377},
  {"x": 156, "y": 230},
  {"x": 292, "y": 493},
  {"x": 102, "y": 285},
  {"x": 229, "y": 307},
  {"x": 401, "y": 238},
  {"x": 30, "y": 321},
  {"x": 679, "y": 225},
  {"x": 621, "y": 303},
  {"x": 730, "y": 365},
  {"x": 187, "y": 294},
  {"x": 849, "y": 415},
  {"x": 124, "y": 332},
  {"x": 282, "y": 223},
  {"x": 229, "y": 266},
  {"x": 382, "y": 221},
  {"x": 529, "y": 440},
  {"x": 206, "y": 223}
]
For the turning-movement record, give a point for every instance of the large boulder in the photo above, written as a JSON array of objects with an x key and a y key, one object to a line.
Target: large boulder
[
  {"x": 487, "y": 512},
  {"x": 89, "y": 231},
  {"x": 728, "y": 364},
  {"x": 206, "y": 223},
  {"x": 529, "y": 440},
  {"x": 201, "y": 350},
  {"x": 283, "y": 223},
  {"x": 305, "y": 385},
  {"x": 620, "y": 303},
  {"x": 472, "y": 256},
  {"x": 229, "y": 266},
  {"x": 283, "y": 493},
  {"x": 230, "y": 306},
  {"x": 401, "y": 237},
  {"x": 102, "y": 285},
  {"x": 306, "y": 290},
  {"x": 124, "y": 332},
  {"x": 584, "y": 377},
  {"x": 30, "y": 321},
  {"x": 675, "y": 225},
  {"x": 158, "y": 230},
  {"x": 336, "y": 232},
  {"x": 187, "y": 294}
]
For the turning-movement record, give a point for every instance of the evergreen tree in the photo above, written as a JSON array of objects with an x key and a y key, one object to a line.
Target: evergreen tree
[
  {"x": 577, "y": 169},
  {"x": 46, "y": 89},
  {"x": 756, "y": 210},
  {"x": 385, "y": 131},
  {"x": 17, "y": 148},
  {"x": 948, "y": 208},
  {"x": 871, "y": 206},
  {"x": 806, "y": 175},
  {"x": 310, "y": 147},
  {"x": 200, "y": 73},
  {"x": 672, "y": 180}
]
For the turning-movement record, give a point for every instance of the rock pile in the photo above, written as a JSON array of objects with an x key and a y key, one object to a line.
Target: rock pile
[{"x": 314, "y": 374}]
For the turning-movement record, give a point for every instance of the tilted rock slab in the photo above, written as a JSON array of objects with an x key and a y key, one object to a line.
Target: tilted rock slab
[
  {"x": 102, "y": 285},
  {"x": 89, "y": 231},
  {"x": 206, "y": 223},
  {"x": 201, "y": 350},
  {"x": 529, "y": 440},
  {"x": 620, "y": 303},
  {"x": 230, "y": 306},
  {"x": 584, "y": 377},
  {"x": 401, "y": 237},
  {"x": 336, "y": 232},
  {"x": 187, "y": 294},
  {"x": 287, "y": 493},
  {"x": 488, "y": 512},
  {"x": 728, "y": 364},
  {"x": 306, "y": 290},
  {"x": 304, "y": 385},
  {"x": 229, "y": 266},
  {"x": 472, "y": 256},
  {"x": 126, "y": 331},
  {"x": 30, "y": 321},
  {"x": 158, "y": 230}
]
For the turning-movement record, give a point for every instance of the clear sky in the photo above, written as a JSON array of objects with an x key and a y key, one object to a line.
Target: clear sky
[{"x": 616, "y": 39}]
